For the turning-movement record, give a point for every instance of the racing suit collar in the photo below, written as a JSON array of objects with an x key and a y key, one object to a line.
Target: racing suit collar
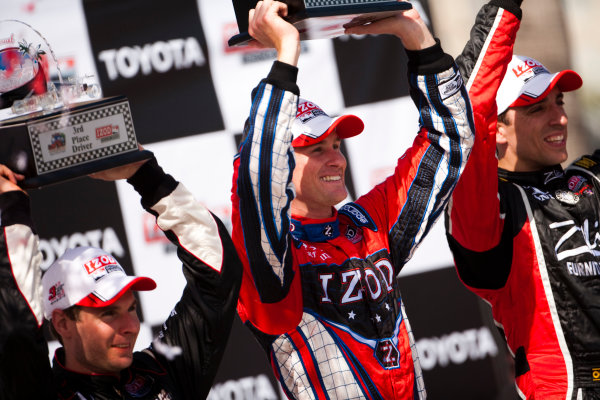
[
  {"x": 315, "y": 230},
  {"x": 75, "y": 382},
  {"x": 542, "y": 178}
]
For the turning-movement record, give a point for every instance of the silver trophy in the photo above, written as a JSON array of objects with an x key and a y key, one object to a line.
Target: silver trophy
[
  {"x": 317, "y": 19},
  {"x": 52, "y": 130}
]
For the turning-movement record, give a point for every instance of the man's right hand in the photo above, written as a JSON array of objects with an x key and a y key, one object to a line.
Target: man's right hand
[
  {"x": 8, "y": 180},
  {"x": 407, "y": 25},
  {"x": 267, "y": 26}
]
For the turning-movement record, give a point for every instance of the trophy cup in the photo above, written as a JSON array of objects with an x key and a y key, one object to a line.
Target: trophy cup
[
  {"x": 318, "y": 19},
  {"x": 52, "y": 130}
]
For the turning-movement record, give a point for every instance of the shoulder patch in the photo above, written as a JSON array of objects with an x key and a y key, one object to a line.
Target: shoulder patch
[
  {"x": 451, "y": 86},
  {"x": 587, "y": 163},
  {"x": 358, "y": 215}
]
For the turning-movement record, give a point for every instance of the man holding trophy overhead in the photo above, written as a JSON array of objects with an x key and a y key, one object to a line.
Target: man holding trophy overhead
[{"x": 319, "y": 289}]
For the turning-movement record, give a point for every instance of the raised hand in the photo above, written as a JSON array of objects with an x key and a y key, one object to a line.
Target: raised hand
[
  {"x": 8, "y": 179},
  {"x": 407, "y": 25},
  {"x": 267, "y": 26}
]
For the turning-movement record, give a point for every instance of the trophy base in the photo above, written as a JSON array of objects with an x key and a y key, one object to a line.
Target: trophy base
[
  {"x": 68, "y": 143},
  {"x": 330, "y": 22},
  {"x": 82, "y": 170}
]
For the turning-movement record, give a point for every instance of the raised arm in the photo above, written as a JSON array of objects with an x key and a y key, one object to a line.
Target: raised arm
[
  {"x": 262, "y": 192},
  {"x": 24, "y": 363},
  {"x": 192, "y": 340},
  {"x": 474, "y": 220},
  {"x": 426, "y": 174}
]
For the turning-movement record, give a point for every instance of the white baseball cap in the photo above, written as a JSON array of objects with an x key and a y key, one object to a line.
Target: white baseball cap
[
  {"x": 527, "y": 81},
  {"x": 312, "y": 125},
  {"x": 87, "y": 276}
]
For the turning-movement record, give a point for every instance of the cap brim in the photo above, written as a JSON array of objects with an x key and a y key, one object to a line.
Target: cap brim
[
  {"x": 345, "y": 126},
  {"x": 566, "y": 81},
  {"x": 107, "y": 294}
]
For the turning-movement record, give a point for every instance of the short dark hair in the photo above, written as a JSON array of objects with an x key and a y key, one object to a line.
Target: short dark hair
[
  {"x": 72, "y": 313},
  {"x": 503, "y": 117}
]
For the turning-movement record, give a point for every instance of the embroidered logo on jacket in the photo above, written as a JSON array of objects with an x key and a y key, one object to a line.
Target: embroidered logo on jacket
[
  {"x": 585, "y": 162},
  {"x": 552, "y": 175},
  {"x": 572, "y": 241},
  {"x": 451, "y": 87},
  {"x": 579, "y": 185},
  {"x": 538, "y": 194},
  {"x": 140, "y": 386},
  {"x": 358, "y": 215},
  {"x": 353, "y": 234}
]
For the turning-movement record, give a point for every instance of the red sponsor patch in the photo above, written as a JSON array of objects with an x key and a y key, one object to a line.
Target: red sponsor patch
[
  {"x": 525, "y": 67},
  {"x": 99, "y": 262},
  {"x": 574, "y": 183},
  {"x": 56, "y": 293},
  {"x": 104, "y": 131},
  {"x": 305, "y": 107}
]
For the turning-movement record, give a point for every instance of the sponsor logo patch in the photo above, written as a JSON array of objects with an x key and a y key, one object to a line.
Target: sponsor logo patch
[
  {"x": 108, "y": 132},
  {"x": 101, "y": 266},
  {"x": 575, "y": 183},
  {"x": 528, "y": 66},
  {"x": 307, "y": 111},
  {"x": 353, "y": 234},
  {"x": 550, "y": 176},
  {"x": 358, "y": 215},
  {"x": 451, "y": 87},
  {"x": 140, "y": 386},
  {"x": 57, "y": 143},
  {"x": 56, "y": 292},
  {"x": 578, "y": 184},
  {"x": 585, "y": 162}
]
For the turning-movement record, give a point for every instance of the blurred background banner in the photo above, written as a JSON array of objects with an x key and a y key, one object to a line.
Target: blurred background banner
[
  {"x": 190, "y": 95},
  {"x": 156, "y": 53}
]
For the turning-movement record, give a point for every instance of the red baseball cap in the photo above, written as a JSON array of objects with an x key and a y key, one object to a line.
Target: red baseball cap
[
  {"x": 527, "y": 81},
  {"x": 312, "y": 125}
]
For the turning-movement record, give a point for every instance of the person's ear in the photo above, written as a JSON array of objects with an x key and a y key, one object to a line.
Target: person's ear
[
  {"x": 501, "y": 131},
  {"x": 61, "y": 324}
]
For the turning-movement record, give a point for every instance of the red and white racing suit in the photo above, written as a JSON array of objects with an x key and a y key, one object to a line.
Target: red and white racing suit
[
  {"x": 527, "y": 243},
  {"x": 321, "y": 295}
]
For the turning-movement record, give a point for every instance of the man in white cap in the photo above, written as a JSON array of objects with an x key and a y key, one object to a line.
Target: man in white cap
[
  {"x": 319, "y": 288},
  {"x": 525, "y": 234},
  {"x": 90, "y": 303}
]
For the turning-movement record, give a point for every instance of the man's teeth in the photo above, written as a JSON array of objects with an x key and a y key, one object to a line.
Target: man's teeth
[
  {"x": 555, "y": 138},
  {"x": 331, "y": 178}
]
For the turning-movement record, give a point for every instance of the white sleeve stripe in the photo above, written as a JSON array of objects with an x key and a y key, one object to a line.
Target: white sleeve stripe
[
  {"x": 482, "y": 54},
  {"x": 25, "y": 261},
  {"x": 193, "y": 225}
]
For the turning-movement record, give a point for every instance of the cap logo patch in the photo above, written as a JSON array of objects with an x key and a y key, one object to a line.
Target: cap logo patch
[
  {"x": 307, "y": 111},
  {"x": 56, "y": 292},
  {"x": 528, "y": 66},
  {"x": 102, "y": 265}
]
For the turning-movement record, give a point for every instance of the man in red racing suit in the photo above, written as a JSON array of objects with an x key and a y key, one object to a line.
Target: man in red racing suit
[
  {"x": 525, "y": 233},
  {"x": 320, "y": 294},
  {"x": 182, "y": 361}
]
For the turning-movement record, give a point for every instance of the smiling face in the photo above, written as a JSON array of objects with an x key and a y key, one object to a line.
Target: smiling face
[
  {"x": 319, "y": 178},
  {"x": 533, "y": 137},
  {"x": 100, "y": 340}
]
